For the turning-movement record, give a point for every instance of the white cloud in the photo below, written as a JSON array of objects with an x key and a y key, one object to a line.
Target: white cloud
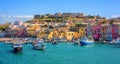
[
  {"x": 17, "y": 16},
  {"x": 8, "y": 18},
  {"x": 114, "y": 16},
  {"x": 5, "y": 16},
  {"x": 23, "y": 16}
]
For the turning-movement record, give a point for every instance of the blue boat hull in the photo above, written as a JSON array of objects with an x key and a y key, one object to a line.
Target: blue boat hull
[{"x": 86, "y": 42}]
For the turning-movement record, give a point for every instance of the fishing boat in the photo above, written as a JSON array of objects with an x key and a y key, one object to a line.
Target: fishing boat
[
  {"x": 63, "y": 40},
  {"x": 117, "y": 41},
  {"x": 54, "y": 41},
  {"x": 17, "y": 47},
  {"x": 112, "y": 42},
  {"x": 76, "y": 41},
  {"x": 40, "y": 45},
  {"x": 86, "y": 41}
]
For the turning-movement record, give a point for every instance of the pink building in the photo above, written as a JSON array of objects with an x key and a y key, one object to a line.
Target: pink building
[
  {"x": 20, "y": 32},
  {"x": 111, "y": 32},
  {"x": 97, "y": 32},
  {"x": 115, "y": 32}
]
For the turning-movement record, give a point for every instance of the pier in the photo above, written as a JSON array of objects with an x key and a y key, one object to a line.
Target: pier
[
  {"x": 13, "y": 40},
  {"x": 6, "y": 39}
]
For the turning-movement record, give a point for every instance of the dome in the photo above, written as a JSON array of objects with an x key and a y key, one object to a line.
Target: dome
[{"x": 18, "y": 23}]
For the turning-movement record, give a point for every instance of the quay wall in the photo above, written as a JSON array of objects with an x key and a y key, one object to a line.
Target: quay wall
[{"x": 5, "y": 39}]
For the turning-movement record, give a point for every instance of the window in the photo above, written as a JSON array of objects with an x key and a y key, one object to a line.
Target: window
[
  {"x": 69, "y": 34},
  {"x": 72, "y": 33},
  {"x": 82, "y": 29}
]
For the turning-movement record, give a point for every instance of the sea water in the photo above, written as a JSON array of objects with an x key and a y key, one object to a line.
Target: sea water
[{"x": 62, "y": 53}]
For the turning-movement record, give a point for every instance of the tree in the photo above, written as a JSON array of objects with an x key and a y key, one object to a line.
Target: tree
[
  {"x": 111, "y": 21},
  {"x": 29, "y": 21},
  {"x": 104, "y": 21},
  {"x": 3, "y": 27}
]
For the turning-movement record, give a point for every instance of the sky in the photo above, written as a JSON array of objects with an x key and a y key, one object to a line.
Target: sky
[{"x": 12, "y": 10}]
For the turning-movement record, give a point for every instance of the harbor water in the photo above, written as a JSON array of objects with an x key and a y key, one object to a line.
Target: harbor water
[{"x": 62, "y": 53}]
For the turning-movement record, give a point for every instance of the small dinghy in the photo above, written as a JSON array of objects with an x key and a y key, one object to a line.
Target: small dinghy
[
  {"x": 17, "y": 47},
  {"x": 40, "y": 45}
]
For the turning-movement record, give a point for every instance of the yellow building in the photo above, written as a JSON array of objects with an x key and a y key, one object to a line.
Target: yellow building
[
  {"x": 76, "y": 35},
  {"x": 69, "y": 35},
  {"x": 33, "y": 27},
  {"x": 62, "y": 35},
  {"x": 82, "y": 31},
  {"x": 50, "y": 36},
  {"x": 36, "y": 27},
  {"x": 31, "y": 32},
  {"x": 55, "y": 34}
]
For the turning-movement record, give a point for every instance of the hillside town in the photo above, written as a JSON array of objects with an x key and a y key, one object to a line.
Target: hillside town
[{"x": 63, "y": 26}]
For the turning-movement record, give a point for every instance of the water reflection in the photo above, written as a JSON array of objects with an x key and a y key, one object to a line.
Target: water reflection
[{"x": 88, "y": 46}]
